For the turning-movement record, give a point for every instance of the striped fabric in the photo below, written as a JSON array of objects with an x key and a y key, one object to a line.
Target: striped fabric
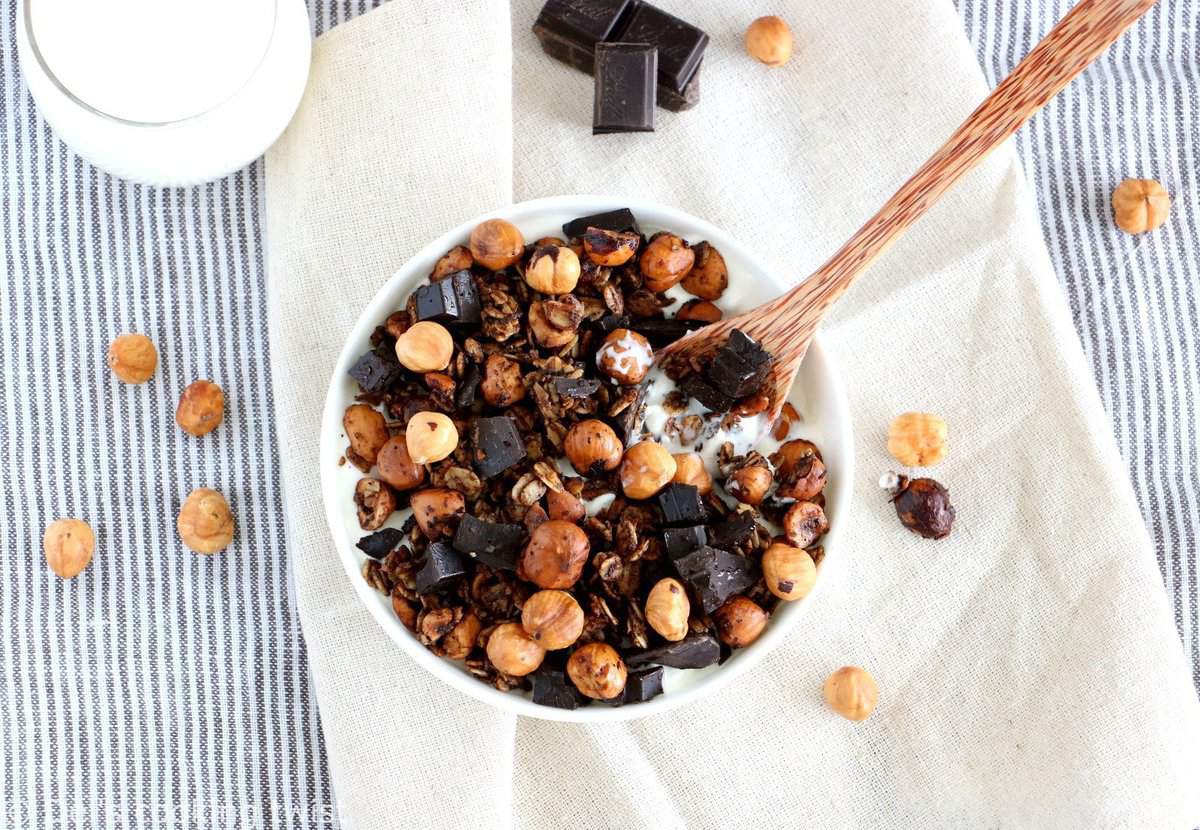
[{"x": 164, "y": 689}]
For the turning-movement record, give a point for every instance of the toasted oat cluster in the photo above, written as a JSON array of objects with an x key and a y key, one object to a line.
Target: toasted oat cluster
[{"x": 553, "y": 544}]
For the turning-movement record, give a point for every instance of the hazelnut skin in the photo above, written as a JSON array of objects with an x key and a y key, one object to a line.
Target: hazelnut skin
[
  {"x": 425, "y": 347},
  {"x": 625, "y": 356},
  {"x": 789, "y": 572},
  {"x": 851, "y": 692},
  {"x": 555, "y": 555},
  {"x": 769, "y": 41},
  {"x": 804, "y": 523},
  {"x": 502, "y": 384},
  {"x": 513, "y": 651},
  {"x": 133, "y": 358},
  {"x": 553, "y": 270},
  {"x": 375, "y": 502},
  {"x": 749, "y": 485},
  {"x": 917, "y": 439},
  {"x": 610, "y": 248},
  {"x": 68, "y": 545},
  {"x": 924, "y": 507},
  {"x": 668, "y": 609},
  {"x": 739, "y": 622},
  {"x": 701, "y": 310},
  {"x": 201, "y": 408},
  {"x": 666, "y": 260},
  {"x": 438, "y": 511},
  {"x": 1140, "y": 205},
  {"x": 553, "y": 619},
  {"x": 430, "y": 436},
  {"x": 205, "y": 522},
  {"x": 709, "y": 276},
  {"x": 367, "y": 430},
  {"x": 593, "y": 447},
  {"x": 646, "y": 468},
  {"x": 565, "y": 506},
  {"x": 396, "y": 466},
  {"x": 597, "y": 671},
  {"x": 496, "y": 244},
  {"x": 690, "y": 469}
]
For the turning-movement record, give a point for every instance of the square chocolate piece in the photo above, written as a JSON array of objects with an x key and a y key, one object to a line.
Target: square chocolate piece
[
  {"x": 621, "y": 220},
  {"x": 640, "y": 685},
  {"x": 452, "y": 299},
  {"x": 496, "y": 445},
  {"x": 380, "y": 543},
  {"x": 681, "y": 541},
  {"x": 681, "y": 505},
  {"x": 697, "y": 387},
  {"x": 443, "y": 564},
  {"x": 732, "y": 532},
  {"x": 376, "y": 372},
  {"x": 624, "y": 88},
  {"x": 493, "y": 544},
  {"x": 694, "y": 651},
  {"x": 674, "y": 101},
  {"x": 715, "y": 575},
  {"x": 680, "y": 44},
  {"x": 570, "y": 29},
  {"x": 552, "y": 688}
]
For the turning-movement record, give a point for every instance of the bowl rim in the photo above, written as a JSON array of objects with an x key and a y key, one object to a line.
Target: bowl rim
[{"x": 330, "y": 451}]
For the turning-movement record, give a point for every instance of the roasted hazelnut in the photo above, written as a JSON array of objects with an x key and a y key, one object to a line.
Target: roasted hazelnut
[
  {"x": 563, "y": 505},
  {"x": 791, "y": 452},
  {"x": 553, "y": 619},
  {"x": 375, "y": 501},
  {"x": 592, "y": 447},
  {"x": 456, "y": 259},
  {"x": 1140, "y": 205},
  {"x": 441, "y": 389},
  {"x": 851, "y": 692},
  {"x": 535, "y": 517},
  {"x": 554, "y": 240},
  {"x": 513, "y": 651},
  {"x": 769, "y": 41},
  {"x": 752, "y": 404},
  {"x": 458, "y": 643},
  {"x": 542, "y": 324},
  {"x": 804, "y": 523},
  {"x": 68, "y": 545},
  {"x": 802, "y": 480},
  {"x": 405, "y": 610},
  {"x": 668, "y": 609},
  {"x": 917, "y": 439},
  {"x": 690, "y": 469},
  {"x": 666, "y": 260},
  {"x": 396, "y": 467},
  {"x": 924, "y": 507},
  {"x": 701, "y": 310},
  {"x": 749, "y": 485},
  {"x": 502, "y": 384},
  {"x": 205, "y": 522},
  {"x": 201, "y": 408},
  {"x": 709, "y": 277},
  {"x": 610, "y": 248},
  {"x": 597, "y": 671},
  {"x": 430, "y": 436},
  {"x": 553, "y": 270},
  {"x": 425, "y": 347},
  {"x": 496, "y": 244},
  {"x": 788, "y": 572},
  {"x": 739, "y": 622},
  {"x": 132, "y": 358},
  {"x": 625, "y": 356},
  {"x": 367, "y": 430},
  {"x": 555, "y": 555},
  {"x": 438, "y": 511},
  {"x": 646, "y": 468}
]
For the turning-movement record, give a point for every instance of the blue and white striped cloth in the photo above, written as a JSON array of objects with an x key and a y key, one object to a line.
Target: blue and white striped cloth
[{"x": 164, "y": 689}]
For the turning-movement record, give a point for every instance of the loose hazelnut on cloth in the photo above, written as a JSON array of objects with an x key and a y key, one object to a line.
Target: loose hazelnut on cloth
[
  {"x": 553, "y": 619},
  {"x": 788, "y": 572},
  {"x": 666, "y": 260},
  {"x": 555, "y": 555},
  {"x": 133, "y": 358},
  {"x": 690, "y": 469},
  {"x": 1140, "y": 205},
  {"x": 430, "y": 437},
  {"x": 201, "y": 408},
  {"x": 496, "y": 244},
  {"x": 205, "y": 522},
  {"x": 769, "y": 40},
  {"x": 646, "y": 468},
  {"x": 917, "y": 439},
  {"x": 366, "y": 428},
  {"x": 597, "y": 671},
  {"x": 668, "y": 609},
  {"x": 513, "y": 651},
  {"x": 425, "y": 347},
  {"x": 396, "y": 466},
  {"x": 739, "y": 621},
  {"x": 625, "y": 356},
  {"x": 68, "y": 545},
  {"x": 553, "y": 269},
  {"x": 851, "y": 692},
  {"x": 923, "y": 506},
  {"x": 593, "y": 447}
]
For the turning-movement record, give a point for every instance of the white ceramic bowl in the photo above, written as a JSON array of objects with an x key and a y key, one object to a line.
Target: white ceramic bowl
[{"x": 818, "y": 397}]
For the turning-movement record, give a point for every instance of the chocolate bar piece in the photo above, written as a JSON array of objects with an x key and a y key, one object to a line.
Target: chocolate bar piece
[
  {"x": 680, "y": 541},
  {"x": 640, "y": 685},
  {"x": 380, "y": 543},
  {"x": 733, "y": 531},
  {"x": 491, "y": 543},
  {"x": 551, "y": 688},
  {"x": 694, "y": 651},
  {"x": 621, "y": 219},
  {"x": 624, "y": 88},
  {"x": 443, "y": 564},
  {"x": 740, "y": 367},
  {"x": 576, "y": 387},
  {"x": 674, "y": 101},
  {"x": 376, "y": 372},
  {"x": 680, "y": 44},
  {"x": 715, "y": 575},
  {"x": 697, "y": 387},
  {"x": 681, "y": 505},
  {"x": 660, "y": 331},
  {"x": 570, "y": 29},
  {"x": 496, "y": 445},
  {"x": 452, "y": 299}
]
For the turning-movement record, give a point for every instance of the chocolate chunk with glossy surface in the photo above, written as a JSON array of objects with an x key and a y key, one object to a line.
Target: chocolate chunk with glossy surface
[
  {"x": 376, "y": 372},
  {"x": 697, "y": 387},
  {"x": 552, "y": 688},
  {"x": 681, "y": 505},
  {"x": 680, "y": 44},
  {"x": 683, "y": 540},
  {"x": 714, "y": 575},
  {"x": 570, "y": 29},
  {"x": 621, "y": 219},
  {"x": 495, "y": 545},
  {"x": 623, "y": 100},
  {"x": 443, "y": 564},
  {"x": 450, "y": 300},
  {"x": 380, "y": 543},
  {"x": 694, "y": 651},
  {"x": 732, "y": 532},
  {"x": 662, "y": 330},
  {"x": 496, "y": 445}
]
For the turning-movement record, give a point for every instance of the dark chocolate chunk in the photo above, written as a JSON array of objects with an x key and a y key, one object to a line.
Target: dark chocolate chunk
[
  {"x": 681, "y": 505},
  {"x": 629, "y": 420},
  {"x": 380, "y": 543},
  {"x": 376, "y": 372},
  {"x": 733, "y": 376},
  {"x": 661, "y": 330},
  {"x": 683, "y": 540},
  {"x": 453, "y": 299},
  {"x": 443, "y": 564},
  {"x": 464, "y": 392},
  {"x": 640, "y": 685},
  {"x": 623, "y": 100},
  {"x": 694, "y": 651},
  {"x": 496, "y": 445},
  {"x": 552, "y": 688},
  {"x": 570, "y": 29},
  {"x": 576, "y": 387},
  {"x": 697, "y": 387},
  {"x": 621, "y": 219},
  {"x": 491, "y": 543},
  {"x": 611, "y": 322},
  {"x": 732, "y": 532},
  {"x": 746, "y": 346},
  {"x": 715, "y": 575},
  {"x": 674, "y": 101},
  {"x": 680, "y": 44}
]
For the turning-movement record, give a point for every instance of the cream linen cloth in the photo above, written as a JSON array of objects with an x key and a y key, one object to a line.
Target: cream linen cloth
[{"x": 1030, "y": 675}]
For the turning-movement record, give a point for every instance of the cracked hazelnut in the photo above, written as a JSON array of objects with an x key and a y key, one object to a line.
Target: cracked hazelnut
[
  {"x": 201, "y": 408},
  {"x": 923, "y": 506},
  {"x": 1140, "y": 205},
  {"x": 396, "y": 467},
  {"x": 375, "y": 502},
  {"x": 553, "y": 269},
  {"x": 405, "y": 610},
  {"x": 68, "y": 545},
  {"x": 592, "y": 447},
  {"x": 513, "y": 651},
  {"x": 646, "y": 468},
  {"x": 666, "y": 260},
  {"x": 133, "y": 358},
  {"x": 367, "y": 430},
  {"x": 625, "y": 356},
  {"x": 438, "y": 511},
  {"x": 502, "y": 384},
  {"x": 597, "y": 671},
  {"x": 425, "y": 347},
  {"x": 205, "y": 522},
  {"x": 709, "y": 277},
  {"x": 496, "y": 244},
  {"x": 458, "y": 643},
  {"x": 550, "y": 328},
  {"x": 555, "y": 555},
  {"x": 430, "y": 436},
  {"x": 749, "y": 485},
  {"x": 917, "y": 439},
  {"x": 565, "y": 506},
  {"x": 802, "y": 479},
  {"x": 456, "y": 259},
  {"x": 804, "y": 523},
  {"x": 769, "y": 41},
  {"x": 851, "y": 692},
  {"x": 553, "y": 619},
  {"x": 668, "y": 609},
  {"x": 701, "y": 310},
  {"x": 610, "y": 248},
  {"x": 739, "y": 622},
  {"x": 690, "y": 469},
  {"x": 789, "y": 572}
]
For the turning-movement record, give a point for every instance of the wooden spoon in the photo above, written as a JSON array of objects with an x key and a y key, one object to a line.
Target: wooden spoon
[{"x": 785, "y": 326}]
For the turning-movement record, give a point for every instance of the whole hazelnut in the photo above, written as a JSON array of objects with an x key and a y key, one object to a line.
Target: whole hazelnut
[
  {"x": 739, "y": 622},
  {"x": 555, "y": 555},
  {"x": 553, "y": 269},
  {"x": 513, "y": 651},
  {"x": 701, "y": 310},
  {"x": 496, "y": 244},
  {"x": 1140, "y": 205},
  {"x": 749, "y": 485},
  {"x": 788, "y": 572},
  {"x": 917, "y": 439},
  {"x": 646, "y": 468},
  {"x": 458, "y": 643},
  {"x": 502, "y": 384},
  {"x": 851, "y": 692},
  {"x": 668, "y": 609},
  {"x": 375, "y": 502},
  {"x": 553, "y": 619},
  {"x": 425, "y": 347},
  {"x": 456, "y": 259},
  {"x": 205, "y": 522},
  {"x": 597, "y": 671},
  {"x": 563, "y": 505},
  {"x": 592, "y": 447},
  {"x": 666, "y": 260},
  {"x": 625, "y": 356},
  {"x": 543, "y": 325},
  {"x": 804, "y": 523},
  {"x": 690, "y": 469},
  {"x": 769, "y": 40},
  {"x": 396, "y": 466},
  {"x": 709, "y": 277},
  {"x": 430, "y": 436},
  {"x": 802, "y": 479},
  {"x": 924, "y": 507},
  {"x": 438, "y": 511},
  {"x": 610, "y": 248},
  {"x": 201, "y": 408},
  {"x": 132, "y": 358},
  {"x": 68, "y": 545},
  {"x": 367, "y": 430}
]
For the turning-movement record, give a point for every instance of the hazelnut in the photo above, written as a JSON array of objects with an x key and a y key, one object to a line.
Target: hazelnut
[
  {"x": 438, "y": 511},
  {"x": 367, "y": 430},
  {"x": 132, "y": 358},
  {"x": 788, "y": 572},
  {"x": 430, "y": 436},
  {"x": 668, "y": 609},
  {"x": 610, "y": 248},
  {"x": 625, "y": 356},
  {"x": 396, "y": 467},
  {"x": 791, "y": 452},
  {"x": 646, "y": 468},
  {"x": 375, "y": 501},
  {"x": 739, "y": 622},
  {"x": 502, "y": 384},
  {"x": 553, "y": 240},
  {"x": 802, "y": 480},
  {"x": 405, "y": 610},
  {"x": 709, "y": 277},
  {"x": 1140, "y": 205},
  {"x": 205, "y": 522},
  {"x": 917, "y": 439},
  {"x": 563, "y": 505},
  {"x": 496, "y": 244},
  {"x": 535, "y": 517},
  {"x": 513, "y": 651},
  {"x": 665, "y": 261},
  {"x": 397, "y": 323},
  {"x": 597, "y": 671},
  {"x": 553, "y": 619},
  {"x": 201, "y": 408},
  {"x": 749, "y": 485},
  {"x": 690, "y": 469},
  {"x": 804, "y": 523},
  {"x": 456, "y": 259},
  {"x": 752, "y": 404},
  {"x": 68, "y": 544},
  {"x": 701, "y": 310},
  {"x": 458, "y": 643},
  {"x": 546, "y": 333},
  {"x": 593, "y": 447},
  {"x": 441, "y": 389},
  {"x": 769, "y": 40},
  {"x": 851, "y": 692},
  {"x": 553, "y": 269},
  {"x": 555, "y": 555},
  {"x": 425, "y": 347},
  {"x": 923, "y": 506}
]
